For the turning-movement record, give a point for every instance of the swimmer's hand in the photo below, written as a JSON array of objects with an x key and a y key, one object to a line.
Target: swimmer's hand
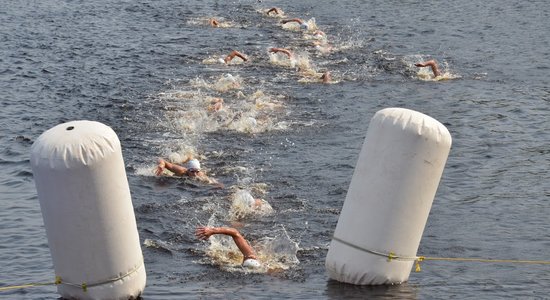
[
  {"x": 160, "y": 167},
  {"x": 203, "y": 233}
]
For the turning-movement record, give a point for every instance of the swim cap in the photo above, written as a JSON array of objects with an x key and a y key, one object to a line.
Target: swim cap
[
  {"x": 246, "y": 198},
  {"x": 304, "y": 26},
  {"x": 194, "y": 164},
  {"x": 251, "y": 263},
  {"x": 221, "y": 60}
]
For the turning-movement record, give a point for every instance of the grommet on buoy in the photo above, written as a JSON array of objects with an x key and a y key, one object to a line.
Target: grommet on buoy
[
  {"x": 88, "y": 213},
  {"x": 389, "y": 198}
]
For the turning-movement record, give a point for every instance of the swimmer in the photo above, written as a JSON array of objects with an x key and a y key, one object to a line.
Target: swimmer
[
  {"x": 216, "y": 104},
  {"x": 281, "y": 50},
  {"x": 213, "y": 22},
  {"x": 326, "y": 78},
  {"x": 430, "y": 63},
  {"x": 234, "y": 54},
  {"x": 191, "y": 169},
  {"x": 254, "y": 203},
  {"x": 322, "y": 46},
  {"x": 319, "y": 34},
  {"x": 249, "y": 256},
  {"x": 302, "y": 23},
  {"x": 274, "y": 10}
]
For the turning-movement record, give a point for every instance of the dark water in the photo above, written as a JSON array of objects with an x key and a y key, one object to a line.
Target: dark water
[{"x": 115, "y": 62}]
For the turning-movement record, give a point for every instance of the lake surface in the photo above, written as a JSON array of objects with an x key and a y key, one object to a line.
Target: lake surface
[{"x": 149, "y": 70}]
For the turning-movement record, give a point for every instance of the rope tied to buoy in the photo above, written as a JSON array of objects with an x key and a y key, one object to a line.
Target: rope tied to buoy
[
  {"x": 390, "y": 256},
  {"x": 488, "y": 260},
  {"x": 418, "y": 259},
  {"x": 84, "y": 286},
  {"x": 13, "y": 287}
]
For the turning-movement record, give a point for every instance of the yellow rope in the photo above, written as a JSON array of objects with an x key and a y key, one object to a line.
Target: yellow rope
[
  {"x": 83, "y": 285},
  {"x": 13, "y": 287},
  {"x": 417, "y": 259},
  {"x": 494, "y": 260},
  {"x": 488, "y": 260}
]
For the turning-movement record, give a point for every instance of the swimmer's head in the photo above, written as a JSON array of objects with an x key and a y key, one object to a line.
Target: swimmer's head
[
  {"x": 194, "y": 164},
  {"x": 251, "y": 263},
  {"x": 221, "y": 60},
  {"x": 319, "y": 34},
  {"x": 304, "y": 26}
]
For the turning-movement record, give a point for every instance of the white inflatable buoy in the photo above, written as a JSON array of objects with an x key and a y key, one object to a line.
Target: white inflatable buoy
[
  {"x": 389, "y": 198},
  {"x": 88, "y": 214}
]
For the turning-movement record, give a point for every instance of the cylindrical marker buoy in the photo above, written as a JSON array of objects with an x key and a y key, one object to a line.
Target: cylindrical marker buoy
[
  {"x": 389, "y": 198},
  {"x": 88, "y": 213}
]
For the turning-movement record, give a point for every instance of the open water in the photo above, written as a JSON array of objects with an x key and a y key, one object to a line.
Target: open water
[{"x": 149, "y": 70}]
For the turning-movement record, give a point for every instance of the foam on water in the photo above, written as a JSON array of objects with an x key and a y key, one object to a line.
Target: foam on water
[
  {"x": 282, "y": 60},
  {"x": 196, "y": 112},
  {"x": 223, "y": 83}
]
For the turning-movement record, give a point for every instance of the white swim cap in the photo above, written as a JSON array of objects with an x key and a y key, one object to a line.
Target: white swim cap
[
  {"x": 194, "y": 164},
  {"x": 304, "y": 26},
  {"x": 251, "y": 263},
  {"x": 221, "y": 60},
  {"x": 247, "y": 198},
  {"x": 251, "y": 122}
]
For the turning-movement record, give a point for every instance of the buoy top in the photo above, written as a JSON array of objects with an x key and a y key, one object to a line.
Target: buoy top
[
  {"x": 74, "y": 144},
  {"x": 413, "y": 121}
]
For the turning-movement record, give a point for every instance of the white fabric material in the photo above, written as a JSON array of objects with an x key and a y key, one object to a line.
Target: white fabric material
[
  {"x": 87, "y": 209},
  {"x": 389, "y": 198}
]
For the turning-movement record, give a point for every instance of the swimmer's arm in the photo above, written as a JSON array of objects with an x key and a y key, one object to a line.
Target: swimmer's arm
[
  {"x": 299, "y": 21},
  {"x": 242, "y": 56},
  {"x": 233, "y": 54},
  {"x": 204, "y": 178},
  {"x": 211, "y": 181},
  {"x": 176, "y": 169},
  {"x": 203, "y": 233},
  {"x": 275, "y": 10},
  {"x": 282, "y": 50},
  {"x": 430, "y": 63}
]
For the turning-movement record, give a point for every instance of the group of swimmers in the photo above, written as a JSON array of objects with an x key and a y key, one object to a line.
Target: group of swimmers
[
  {"x": 192, "y": 168},
  {"x": 319, "y": 41}
]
